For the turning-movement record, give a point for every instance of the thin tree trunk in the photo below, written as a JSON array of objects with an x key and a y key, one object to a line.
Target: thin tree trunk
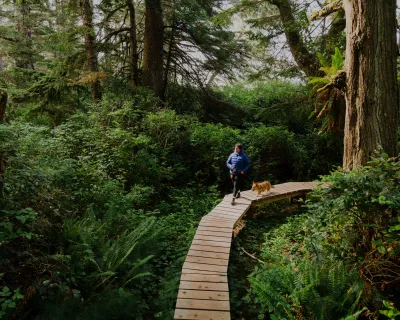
[
  {"x": 3, "y": 104},
  {"x": 307, "y": 61},
  {"x": 87, "y": 19},
  {"x": 168, "y": 64},
  {"x": 133, "y": 41},
  {"x": 153, "y": 47},
  {"x": 372, "y": 102},
  {"x": 25, "y": 59}
]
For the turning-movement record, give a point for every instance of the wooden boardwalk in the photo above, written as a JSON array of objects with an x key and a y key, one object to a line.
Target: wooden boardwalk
[{"x": 203, "y": 290}]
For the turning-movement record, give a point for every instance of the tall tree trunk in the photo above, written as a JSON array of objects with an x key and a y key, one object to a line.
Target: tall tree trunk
[
  {"x": 153, "y": 48},
  {"x": 133, "y": 41},
  {"x": 372, "y": 101},
  {"x": 3, "y": 103},
  {"x": 169, "y": 59},
  {"x": 25, "y": 57},
  {"x": 307, "y": 61},
  {"x": 91, "y": 54}
]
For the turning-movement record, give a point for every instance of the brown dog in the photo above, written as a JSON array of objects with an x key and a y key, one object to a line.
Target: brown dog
[{"x": 261, "y": 187}]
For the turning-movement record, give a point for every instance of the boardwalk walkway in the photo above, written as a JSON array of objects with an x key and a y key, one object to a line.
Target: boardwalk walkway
[{"x": 203, "y": 290}]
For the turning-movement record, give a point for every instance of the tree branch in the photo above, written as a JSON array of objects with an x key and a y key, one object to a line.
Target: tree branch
[{"x": 327, "y": 10}]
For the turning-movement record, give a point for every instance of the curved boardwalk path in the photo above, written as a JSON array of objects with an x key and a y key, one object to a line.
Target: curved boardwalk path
[{"x": 203, "y": 290}]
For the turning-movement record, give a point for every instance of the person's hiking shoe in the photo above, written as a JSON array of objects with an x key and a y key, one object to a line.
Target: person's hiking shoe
[
  {"x": 238, "y": 195},
  {"x": 233, "y": 201}
]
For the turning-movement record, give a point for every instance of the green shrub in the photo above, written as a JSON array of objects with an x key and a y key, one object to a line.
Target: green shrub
[
  {"x": 342, "y": 255},
  {"x": 274, "y": 103},
  {"x": 272, "y": 152},
  {"x": 184, "y": 100}
]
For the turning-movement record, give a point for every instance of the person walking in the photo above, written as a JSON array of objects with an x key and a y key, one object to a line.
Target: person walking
[{"x": 238, "y": 164}]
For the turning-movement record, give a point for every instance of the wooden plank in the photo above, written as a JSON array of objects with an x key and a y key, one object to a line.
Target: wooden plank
[
  {"x": 211, "y": 238},
  {"x": 202, "y": 304},
  {"x": 230, "y": 208},
  {"x": 223, "y": 237},
  {"x": 207, "y": 248},
  {"x": 212, "y": 286},
  {"x": 216, "y": 219},
  {"x": 228, "y": 202},
  {"x": 277, "y": 198},
  {"x": 225, "y": 214},
  {"x": 214, "y": 233},
  {"x": 215, "y": 261},
  {"x": 246, "y": 197},
  {"x": 226, "y": 227},
  {"x": 203, "y": 295},
  {"x": 225, "y": 224},
  {"x": 195, "y": 277},
  {"x": 206, "y": 254},
  {"x": 208, "y": 228},
  {"x": 220, "y": 218},
  {"x": 218, "y": 224},
  {"x": 211, "y": 218},
  {"x": 243, "y": 200},
  {"x": 226, "y": 209},
  {"x": 236, "y": 217},
  {"x": 229, "y": 205},
  {"x": 205, "y": 267},
  {"x": 188, "y": 314},
  {"x": 190, "y": 271},
  {"x": 211, "y": 243},
  {"x": 223, "y": 233}
]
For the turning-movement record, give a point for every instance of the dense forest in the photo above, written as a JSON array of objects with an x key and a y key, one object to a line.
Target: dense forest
[{"x": 116, "y": 121}]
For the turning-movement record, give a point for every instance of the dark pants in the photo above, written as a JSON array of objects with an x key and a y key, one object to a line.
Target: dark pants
[{"x": 237, "y": 183}]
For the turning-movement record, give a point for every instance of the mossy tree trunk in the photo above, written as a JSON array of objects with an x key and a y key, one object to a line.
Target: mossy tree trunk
[
  {"x": 3, "y": 104},
  {"x": 91, "y": 54},
  {"x": 372, "y": 102}
]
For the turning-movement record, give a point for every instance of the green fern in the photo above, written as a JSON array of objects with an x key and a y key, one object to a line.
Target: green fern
[
  {"x": 119, "y": 250},
  {"x": 329, "y": 102},
  {"x": 314, "y": 289}
]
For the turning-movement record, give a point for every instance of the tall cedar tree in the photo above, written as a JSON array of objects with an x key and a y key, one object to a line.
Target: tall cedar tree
[
  {"x": 153, "y": 48},
  {"x": 372, "y": 100}
]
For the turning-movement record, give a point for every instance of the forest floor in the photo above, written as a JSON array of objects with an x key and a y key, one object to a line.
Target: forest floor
[{"x": 250, "y": 238}]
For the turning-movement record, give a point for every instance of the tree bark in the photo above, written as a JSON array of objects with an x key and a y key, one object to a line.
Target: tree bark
[
  {"x": 168, "y": 63},
  {"x": 133, "y": 42},
  {"x": 91, "y": 54},
  {"x": 372, "y": 101},
  {"x": 307, "y": 61},
  {"x": 153, "y": 47},
  {"x": 3, "y": 104},
  {"x": 25, "y": 57}
]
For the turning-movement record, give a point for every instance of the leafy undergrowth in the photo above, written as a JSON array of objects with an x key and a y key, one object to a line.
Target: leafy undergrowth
[
  {"x": 250, "y": 239},
  {"x": 340, "y": 259}
]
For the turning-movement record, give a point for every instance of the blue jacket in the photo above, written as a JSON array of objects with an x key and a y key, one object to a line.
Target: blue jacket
[{"x": 240, "y": 161}]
